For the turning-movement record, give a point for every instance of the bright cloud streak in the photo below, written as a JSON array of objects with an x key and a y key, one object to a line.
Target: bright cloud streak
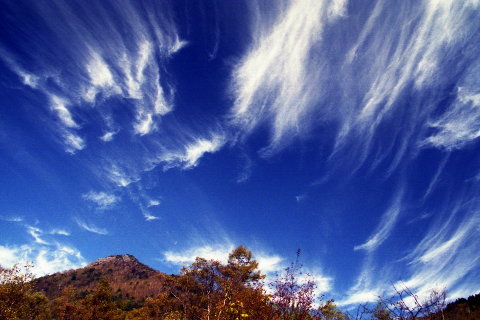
[
  {"x": 271, "y": 82},
  {"x": 90, "y": 227},
  {"x": 385, "y": 227},
  {"x": 459, "y": 125},
  {"x": 59, "y": 106},
  {"x": 192, "y": 152},
  {"x": 441, "y": 260},
  {"x": 102, "y": 199},
  {"x": 36, "y": 233},
  {"x": 99, "y": 72},
  {"x": 61, "y": 232}
]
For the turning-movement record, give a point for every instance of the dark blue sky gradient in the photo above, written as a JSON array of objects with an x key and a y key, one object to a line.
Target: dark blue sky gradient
[{"x": 168, "y": 130}]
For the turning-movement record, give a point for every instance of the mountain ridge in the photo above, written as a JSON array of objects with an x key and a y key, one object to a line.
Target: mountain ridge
[{"x": 128, "y": 277}]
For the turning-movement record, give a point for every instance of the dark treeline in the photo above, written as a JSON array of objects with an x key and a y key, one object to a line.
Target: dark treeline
[{"x": 208, "y": 290}]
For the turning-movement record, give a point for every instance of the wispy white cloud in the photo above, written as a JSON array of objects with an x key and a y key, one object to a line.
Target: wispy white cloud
[
  {"x": 444, "y": 256},
  {"x": 301, "y": 197},
  {"x": 108, "y": 136},
  {"x": 177, "y": 45},
  {"x": 360, "y": 297},
  {"x": 459, "y": 125},
  {"x": 274, "y": 81},
  {"x": 434, "y": 180},
  {"x": 45, "y": 253},
  {"x": 120, "y": 177},
  {"x": 73, "y": 142},
  {"x": 102, "y": 63},
  {"x": 102, "y": 199},
  {"x": 192, "y": 152},
  {"x": 441, "y": 260},
  {"x": 370, "y": 283},
  {"x": 145, "y": 123},
  {"x": 59, "y": 105},
  {"x": 153, "y": 203},
  {"x": 90, "y": 227},
  {"x": 27, "y": 78},
  {"x": 36, "y": 234},
  {"x": 41, "y": 236},
  {"x": 99, "y": 72},
  {"x": 385, "y": 226},
  {"x": 196, "y": 150},
  {"x": 11, "y": 218},
  {"x": 416, "y": 57},
  {"x": 148, "y": 216},
  {"x": 288, "y": 80},
  {"x": 269, "y": 263},
  {"x": 187, "y": 256},
  {"x": 246, "y": 169},
  {"x": 61, "y": 232},
  {"x": 373, "y": 280},
  {"x": 46, "y": 259}
]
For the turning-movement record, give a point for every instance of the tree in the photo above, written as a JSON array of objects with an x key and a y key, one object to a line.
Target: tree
[
  {"x": 223, "y": 291},
  {"x": 67, "y": 306},
  {"x": 406, "y": 305},
  {"x": 100, "y": 305},
  {"x": 329, "y": 311},
  {"x": 293, "y": 298},
  {"x": 381, "y": 312},
  {"x": 18, "y": 300}
]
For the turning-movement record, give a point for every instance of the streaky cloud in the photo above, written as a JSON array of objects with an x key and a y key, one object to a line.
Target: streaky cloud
[
  {"x": 148, "y": 216},
  {"x": 59, "y": 105},
  {"x": 288, "y": 81},
  {"x": 444, "y": 257},
  {"x": 433, "y": 183},
  {"x": 73, "y": 142},
  {"x": 459, "y": 125},
  {"x": 273, "y": 82},
  {"x": 119, "y": 177},
  {"x": 36, "y": 234},
  {"x": 12, "y": 218},
  {"x": 386, "y": 225},
  {"x": 193, "y": 151},
  {"x": 153, "y": 203},
  {"x": 90, "y": 227},
  {"x": 61, "y": 232},
  {"x": 103, "y": 63}
]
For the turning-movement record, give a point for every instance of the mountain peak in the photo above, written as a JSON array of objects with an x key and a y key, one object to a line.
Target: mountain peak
[
  {"x": 114, "y": 259},
  {"x": 124, "y": 273}
]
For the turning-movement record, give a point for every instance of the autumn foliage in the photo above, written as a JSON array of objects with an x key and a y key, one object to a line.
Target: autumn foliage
[{"x": 205, "y": 290}]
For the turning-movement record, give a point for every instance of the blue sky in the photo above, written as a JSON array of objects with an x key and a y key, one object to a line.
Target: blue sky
[{"x": 348, "y": 129}]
